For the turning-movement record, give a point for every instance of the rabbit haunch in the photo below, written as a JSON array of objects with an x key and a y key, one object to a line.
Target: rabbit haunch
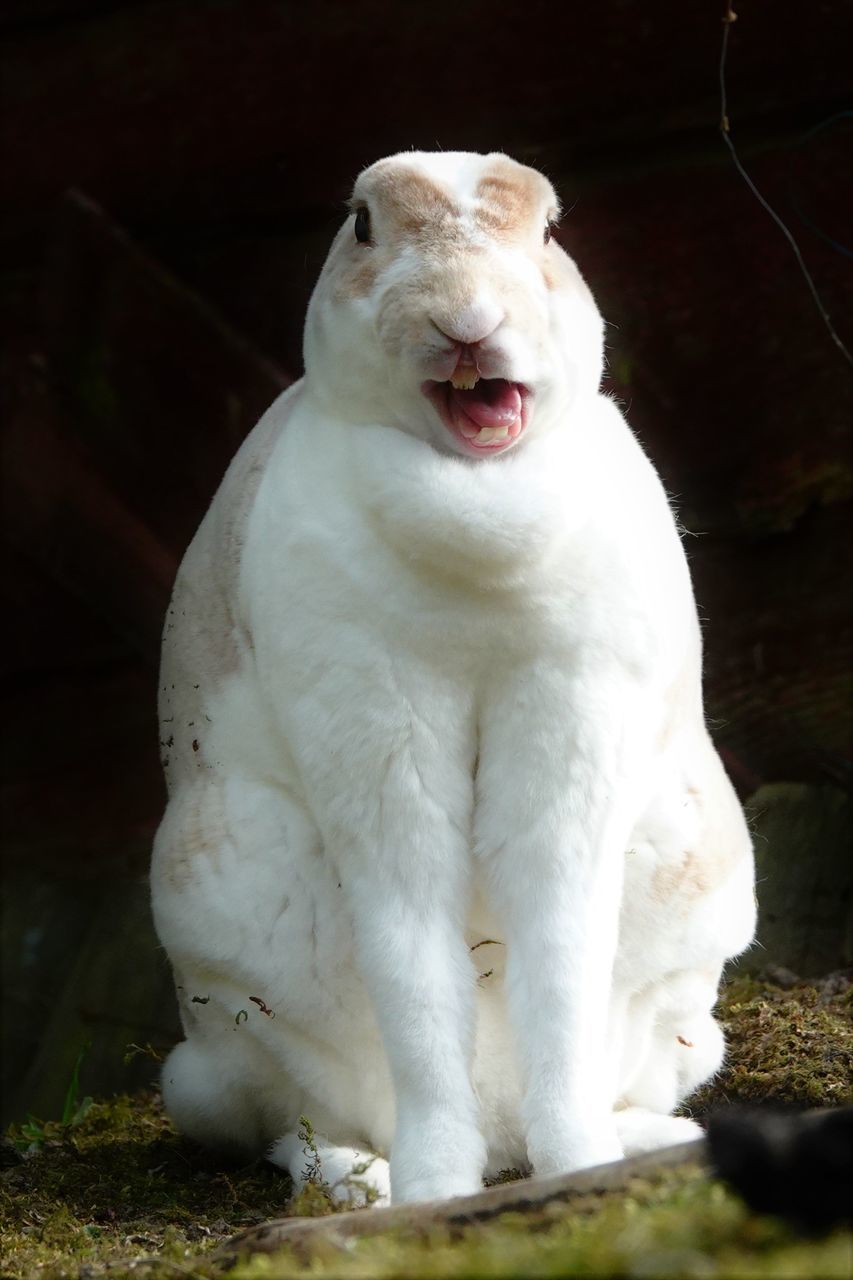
[{"x": 441, "y": 793}]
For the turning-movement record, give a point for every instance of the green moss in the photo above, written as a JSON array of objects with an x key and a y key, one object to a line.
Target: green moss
[
  {"x": 793, "y": 1047},
  {"x": 120, "y": 1193},
  {"x": 121, "y": 1186}
]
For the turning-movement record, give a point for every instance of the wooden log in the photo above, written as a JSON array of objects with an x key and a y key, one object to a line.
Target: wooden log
[{"x": 524, "y": 1196}]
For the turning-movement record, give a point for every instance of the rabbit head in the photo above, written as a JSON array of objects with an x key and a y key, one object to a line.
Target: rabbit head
[{"x": 447, "y": 310}]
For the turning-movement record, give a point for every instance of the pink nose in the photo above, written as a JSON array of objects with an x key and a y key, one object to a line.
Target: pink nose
[{"x": 470, "y": 326}]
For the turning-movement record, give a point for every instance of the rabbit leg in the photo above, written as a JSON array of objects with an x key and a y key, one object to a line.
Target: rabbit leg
[
  {"x": 397, "y": 826},
  {"x": 354, "y": 1176},
  {"x": 685, "y": 1047},
  {"x": 641, "y": 1130},
  {"x": 675, "y": 1045},
  {"x": 415, "y": 963},
  {"x": 276, "y": 1018},
  {"x": 552, "y": 822}
]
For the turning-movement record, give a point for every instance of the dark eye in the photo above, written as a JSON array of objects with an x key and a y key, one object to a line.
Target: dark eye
[
  {"x": 548, "y": 232},
  {"x": 362, "y": 225}
]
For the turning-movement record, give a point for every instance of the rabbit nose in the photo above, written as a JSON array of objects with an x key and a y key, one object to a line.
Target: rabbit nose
[{"x": 470, "y": 326}]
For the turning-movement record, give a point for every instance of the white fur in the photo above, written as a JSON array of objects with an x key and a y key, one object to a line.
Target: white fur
[{"x": 414, "y": 702}]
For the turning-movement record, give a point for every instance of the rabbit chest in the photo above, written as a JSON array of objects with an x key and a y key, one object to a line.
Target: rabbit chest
[{"x": 423, "y": 637}]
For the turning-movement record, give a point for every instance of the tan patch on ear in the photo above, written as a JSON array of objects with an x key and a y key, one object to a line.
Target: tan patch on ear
[
  {"x": 413, "y": 200},
  {"x": 510, "y": 195}
]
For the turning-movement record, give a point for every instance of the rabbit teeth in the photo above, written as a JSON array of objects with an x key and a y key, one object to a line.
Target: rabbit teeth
[
  {"x": 465, "y": 379},
  {"x": 486, "y": 435}
]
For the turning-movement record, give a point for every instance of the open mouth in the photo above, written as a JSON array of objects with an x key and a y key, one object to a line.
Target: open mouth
[{"x": 487, "y": 415}]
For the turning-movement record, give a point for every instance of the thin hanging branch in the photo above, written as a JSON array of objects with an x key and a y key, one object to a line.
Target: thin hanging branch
[{"x": 729, "y": 18}]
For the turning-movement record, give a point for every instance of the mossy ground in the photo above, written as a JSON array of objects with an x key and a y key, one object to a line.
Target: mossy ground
[
  {"x": 119, "y": 1193},
  {"x": 792, "y": 1047}
]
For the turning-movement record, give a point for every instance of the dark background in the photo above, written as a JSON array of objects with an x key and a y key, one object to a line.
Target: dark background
[{"x": 172, "y": 175}]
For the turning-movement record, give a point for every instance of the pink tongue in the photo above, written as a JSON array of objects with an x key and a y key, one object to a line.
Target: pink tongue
[{"x": 494, "y": 402}]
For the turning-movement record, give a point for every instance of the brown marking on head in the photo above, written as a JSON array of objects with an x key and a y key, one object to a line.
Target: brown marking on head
[
  {"x": 510, "y": 196},
  {"x": 412, "y": 200},
  {"x": 407, "y": 204}
]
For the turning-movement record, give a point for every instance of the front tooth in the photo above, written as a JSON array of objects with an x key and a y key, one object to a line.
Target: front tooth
[
  {"x": 464, "y": 379},
  {"x": 500, "y": 433},
  {"x": 485, "y": 435}
]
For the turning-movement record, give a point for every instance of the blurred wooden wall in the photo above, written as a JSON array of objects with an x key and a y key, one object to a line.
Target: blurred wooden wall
[{"x": 151, "y": 313}]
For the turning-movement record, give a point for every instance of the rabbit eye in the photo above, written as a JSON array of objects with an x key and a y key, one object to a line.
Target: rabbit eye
[
  {"x": 549, "y": 229},
  {"x": 362, "y": 225}
]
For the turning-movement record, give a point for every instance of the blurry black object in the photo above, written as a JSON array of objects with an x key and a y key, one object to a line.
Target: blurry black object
[
  {"x": 796, "y": 1165},
  {"x": 10, "y": 1156}
]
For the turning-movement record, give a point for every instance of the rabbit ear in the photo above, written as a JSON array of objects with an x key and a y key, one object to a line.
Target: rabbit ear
[{"x": 510, "y": 196}]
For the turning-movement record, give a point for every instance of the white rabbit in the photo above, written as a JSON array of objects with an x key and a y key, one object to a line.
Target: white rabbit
[{"x": 450, "y": 865}]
